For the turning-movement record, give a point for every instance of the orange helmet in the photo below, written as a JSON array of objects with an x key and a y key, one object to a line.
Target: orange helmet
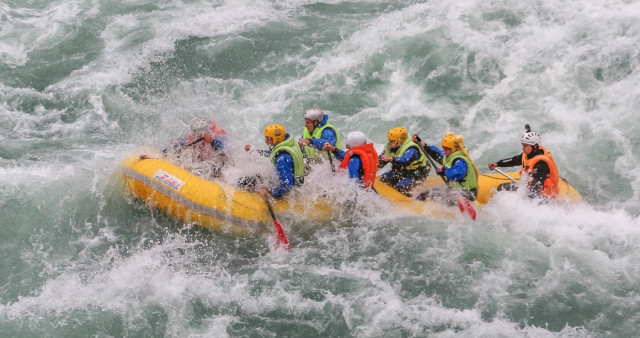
[
  {"x": 452, "y": 141},
  {"x": 398, "y": 134},
  {"x": 276, "y": 132}
]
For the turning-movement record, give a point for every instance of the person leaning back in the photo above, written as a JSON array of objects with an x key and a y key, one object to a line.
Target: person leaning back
[{"x": 537, "y": 166}]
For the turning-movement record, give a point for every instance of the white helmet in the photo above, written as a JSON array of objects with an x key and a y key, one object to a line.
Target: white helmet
[
  {"x": 199, "y": 125},
  {"x": 355, "y": 138},
  {"x": 314, "y": 114},
  {"x": 531, "y": 138}
]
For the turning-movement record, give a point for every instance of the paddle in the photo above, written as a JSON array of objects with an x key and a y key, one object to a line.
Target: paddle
[
  {"x": 194, "y": 142},
  {"x": 331, "y": 161},
  {"x": 505, "y": 175},
  {"x": 279, "y": 231},
  {"x": 463, "y": 203}
]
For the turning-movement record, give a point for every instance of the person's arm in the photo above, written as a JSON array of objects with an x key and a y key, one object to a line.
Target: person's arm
[
  {"x": 510, "y": 162},
  {"x": 507, "y": 162},
  {"x": 354, "y": 166},
  {"x": 538, "y": 176},
  {"x": 435, "y": 153},
  {"x": 339, "y": 153},
  {"x": 218, "y": 144},
  {"x": 284, "y": 167},
  {"x": 408, "y": 156},
  {"x": 328, "y": 136},
  {"x": 458, "y": 170},
  {"x": 431, "y": 151},
  {"x": 381, "y": 163}
]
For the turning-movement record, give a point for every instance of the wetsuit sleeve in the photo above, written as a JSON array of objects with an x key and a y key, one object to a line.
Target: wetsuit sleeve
[
  {"x": 328, "y": 136},
  {"x": 354, "y": 166},
  {"x": 381, "y": 163},
  {"x": 218, "y": 144},
  {"x": 511, "y": 162},
  {"x": 284, "y": 167},
  {"x": 408, "y": 156},
  {"x": 340, "y": 154},
  {"x": 435, "y": 153},
  {"x": 458, "y": 170},
  {"x": 538, "y": 176}
]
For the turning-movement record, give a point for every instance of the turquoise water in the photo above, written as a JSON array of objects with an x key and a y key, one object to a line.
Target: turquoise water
[{"x": 85, "y": 83}]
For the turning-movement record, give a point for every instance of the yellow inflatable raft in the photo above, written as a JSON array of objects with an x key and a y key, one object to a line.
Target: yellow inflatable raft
[
  {"x": 488, "y": 185},
  {"x": 214, "y": 205},
  {"x": 222, "y": 207}
]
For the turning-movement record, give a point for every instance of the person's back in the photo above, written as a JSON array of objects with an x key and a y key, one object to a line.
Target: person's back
[{"x": 360, "y": 160}]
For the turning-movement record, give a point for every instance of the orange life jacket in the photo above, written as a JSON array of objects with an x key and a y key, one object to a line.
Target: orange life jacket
[
  {"x": 369, "y": 158},
  {"x": 550, "y": 187}
]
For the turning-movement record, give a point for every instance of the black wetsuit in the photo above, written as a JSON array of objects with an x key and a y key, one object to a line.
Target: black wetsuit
[{"x": 539, "y": 173}]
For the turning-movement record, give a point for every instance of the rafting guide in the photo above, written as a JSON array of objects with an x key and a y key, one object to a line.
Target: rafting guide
[{"x": 537, "y": 167}]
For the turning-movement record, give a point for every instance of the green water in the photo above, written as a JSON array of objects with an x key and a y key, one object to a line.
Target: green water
[{"x": 83, "y": 84}]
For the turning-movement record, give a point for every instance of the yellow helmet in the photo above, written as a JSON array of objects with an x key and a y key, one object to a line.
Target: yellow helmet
[
  {"x": 452, "y": 141},
  {"x": 398, "y": 134},
  {"x": 276, "y": 132}
]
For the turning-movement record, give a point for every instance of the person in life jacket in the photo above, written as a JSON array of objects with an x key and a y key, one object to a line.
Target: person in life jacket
[
  {"x": 458, "y": 171},
  {"x": 212, "y": 140},
  {"x": 317, "y": 131},
  {"x": 408, "y": 161},
  {"x": 206, "y": 142},
  {"x": 286, "y": 155},
  {"x": 360, "y": 160},
  {"x": 537, "y": 165}
]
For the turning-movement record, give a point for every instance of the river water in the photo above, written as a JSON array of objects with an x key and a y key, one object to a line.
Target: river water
[{"x": 85, "y": 83}]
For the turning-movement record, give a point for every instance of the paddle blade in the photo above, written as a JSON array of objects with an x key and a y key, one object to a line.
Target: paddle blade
[
  {"x": 281, "y": 236},
  {"x": 279, "y": 231},
  {"x": 466, "y": 207}
]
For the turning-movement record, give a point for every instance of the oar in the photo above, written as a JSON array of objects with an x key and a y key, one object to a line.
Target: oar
[
  {"x": 279, "y": 231},
  {"x": 194, "y": 142},
  {"x": 505, "y": 175},
  {"x": 463, "y": 203},
  {"x": 331, "y": 161}
]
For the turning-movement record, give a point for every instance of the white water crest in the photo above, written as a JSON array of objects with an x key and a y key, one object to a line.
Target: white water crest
[{"x": 84, "y": 84}]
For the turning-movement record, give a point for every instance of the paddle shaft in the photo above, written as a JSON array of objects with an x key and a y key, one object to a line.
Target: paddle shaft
[
  {"x": 433, "y": 164},
  {"x": 194, "y": 142},
  {"x": 463, "y": 203},
  {"x": 331, "y": 161},
  {"x": 279, "y": 231},
  {"x": 505, "y": 175}
]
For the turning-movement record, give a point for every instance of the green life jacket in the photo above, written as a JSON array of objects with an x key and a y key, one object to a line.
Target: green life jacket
[
  {"x": 420, "y": 162},
  {"x": 290, "y": 147},
  {"x": 470, "y": 181},
  {"x": 317, "y": 133}
]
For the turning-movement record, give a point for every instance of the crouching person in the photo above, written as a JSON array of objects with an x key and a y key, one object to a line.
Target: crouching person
[
  {"x": 458, "y": 171},
  {"x": 360, "y": 160},
  {"x": 286, "y": 155}
]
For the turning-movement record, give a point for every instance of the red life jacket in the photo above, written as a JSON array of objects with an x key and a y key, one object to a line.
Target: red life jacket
[
  {"x": 369, "y": 158},
  {"x": 204, "y": 150},
  {"x": 550, "y": 188}
]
